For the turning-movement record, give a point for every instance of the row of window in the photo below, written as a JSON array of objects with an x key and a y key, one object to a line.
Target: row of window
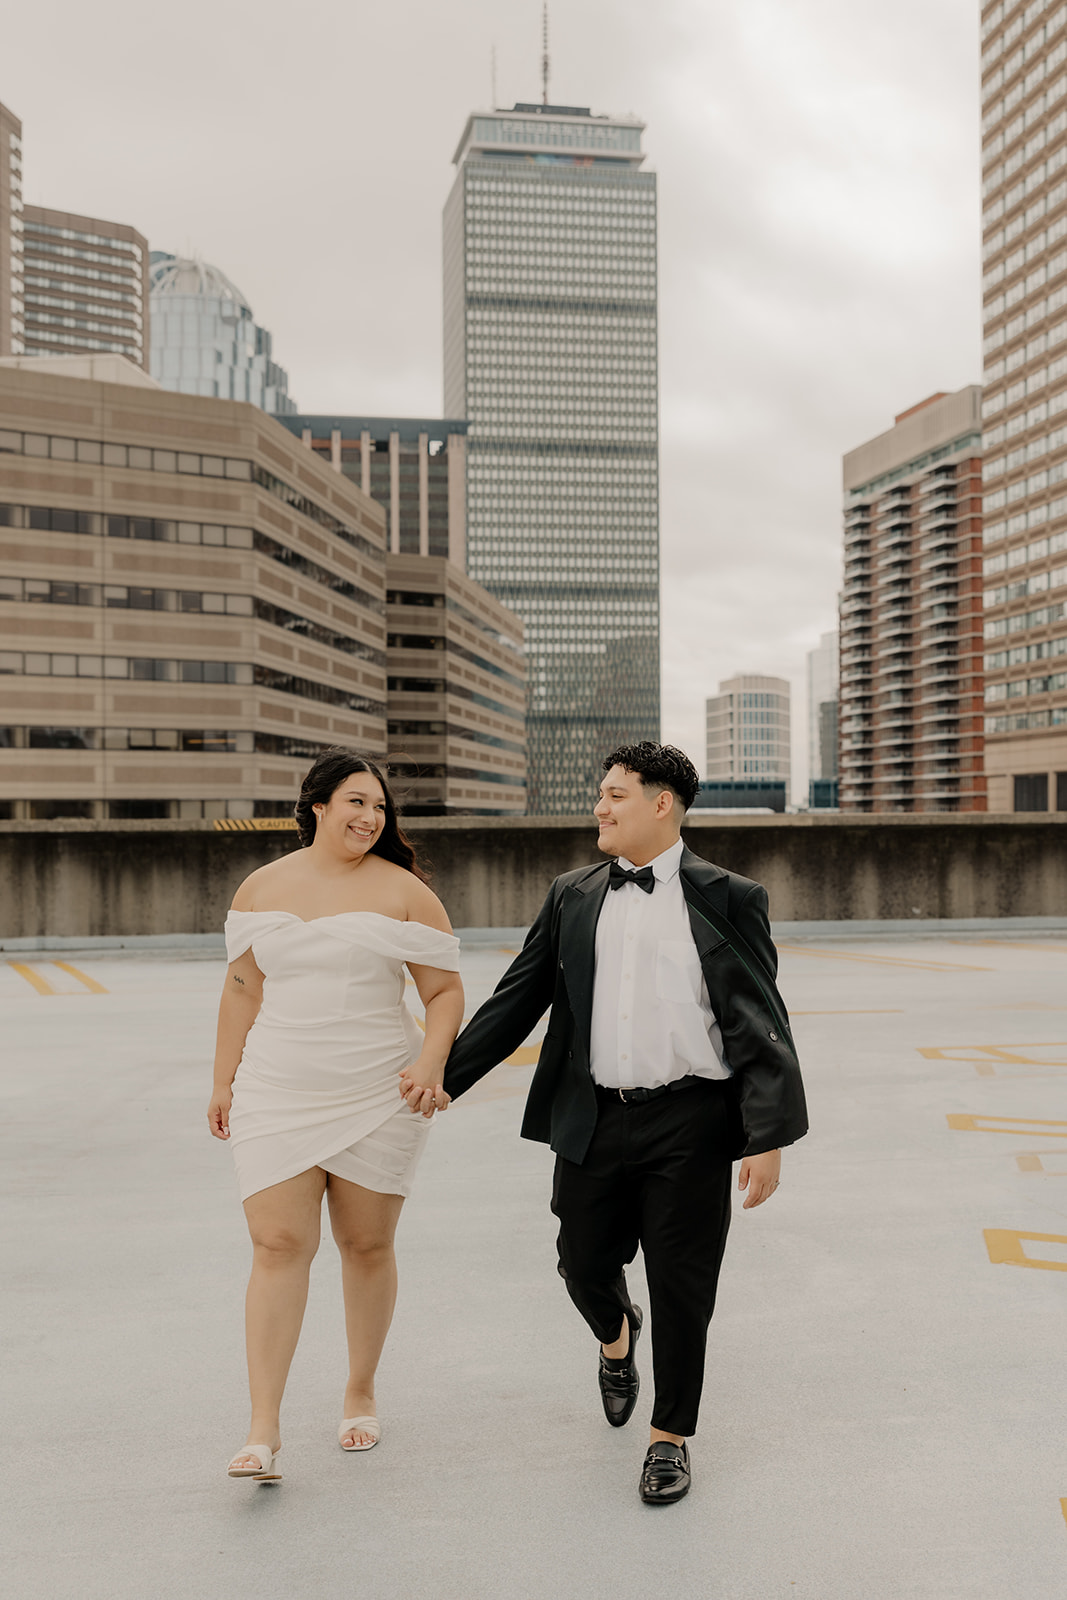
[
  {"x": 124, "y": 246},
  {"x": 1024, "y": 587},
  {"x": 85, "y": 292},
  {"x": 36, "y": 247},
  {"x": 410, "y": 769},
  {"x": 141, "y": 669},
  {"x": 140, "y": 598},
  {"x": 199, "y": 741},
  {"x": 1036, "y": 312},
  {"x": 439, "y": 686},
  {"x": 1016, "y": 95},
  {"x": 141, "y": 458},
  {"x": 1023, "y": 621},
  {"x": 1032, "y": 384},
  {"x": 1017, "y": 721},
  {"x": 1014, "y": 29},
  {"x": 1035, "y": 551},
  {"x": 158, "y": 529},
  {"x": 416, "y": 728},
  {"x": 1039, "y": 650},
  {"x": 1003, "y": 75},
  {"x": 996, "y": 370},
  {"x": 1023, "y": 686}
]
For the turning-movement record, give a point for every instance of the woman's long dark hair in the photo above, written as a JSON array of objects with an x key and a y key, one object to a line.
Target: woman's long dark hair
[{"x": 324, "y": 779}]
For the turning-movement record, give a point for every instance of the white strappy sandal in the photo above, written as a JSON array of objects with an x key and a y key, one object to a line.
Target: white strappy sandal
[
  {"x": 359, "y": 1425},
  {"x": 266, "y": 1457}
]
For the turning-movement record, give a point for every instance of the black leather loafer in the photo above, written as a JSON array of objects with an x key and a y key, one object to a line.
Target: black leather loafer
[
  {"x": 619, "y": 1380},
  {"x": 665, "y": 1476}
]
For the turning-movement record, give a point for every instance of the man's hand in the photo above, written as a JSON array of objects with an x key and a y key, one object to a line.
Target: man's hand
[{"x": 759, "y": 1175}]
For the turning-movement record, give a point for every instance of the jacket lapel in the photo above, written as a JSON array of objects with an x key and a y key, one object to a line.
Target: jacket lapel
[
  {"x": 705, "y": 887},
  {"x": 577, "y": 943}
]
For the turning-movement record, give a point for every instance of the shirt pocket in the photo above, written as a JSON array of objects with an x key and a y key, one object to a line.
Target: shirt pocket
[{"x": 678, "y": 972}]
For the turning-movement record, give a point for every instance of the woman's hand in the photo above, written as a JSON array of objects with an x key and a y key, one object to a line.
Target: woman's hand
[
  {"x": 759, "y": 1175},
  {"x": 421, "y": 1087},
  {"x": 218, "y": 1113}
]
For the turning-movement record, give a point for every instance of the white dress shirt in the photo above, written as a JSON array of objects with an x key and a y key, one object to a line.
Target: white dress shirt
[{"x": 652, "y": 1018}]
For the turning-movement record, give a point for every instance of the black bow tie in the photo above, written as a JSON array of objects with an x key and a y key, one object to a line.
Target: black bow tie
[{"x": 644, "y": 877}]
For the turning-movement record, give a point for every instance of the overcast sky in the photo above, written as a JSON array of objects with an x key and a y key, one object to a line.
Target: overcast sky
[{"x": 818, "y": 168}]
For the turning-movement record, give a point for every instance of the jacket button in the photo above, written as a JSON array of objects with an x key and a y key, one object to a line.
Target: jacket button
[{"x": 772, "y": 1035}]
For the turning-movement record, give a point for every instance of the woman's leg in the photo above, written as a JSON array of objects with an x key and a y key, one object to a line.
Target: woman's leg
[
  {"x": 285, "y": 1222},
  {"x": 364, "y": 1224}
]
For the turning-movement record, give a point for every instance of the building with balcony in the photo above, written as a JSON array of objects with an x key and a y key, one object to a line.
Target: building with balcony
[
  {"x": 192, "y": 605},
  {"x": 748, "y": 733},
  {"x": 910, "y": 707},
  {"x": 1024, "y": 253}
]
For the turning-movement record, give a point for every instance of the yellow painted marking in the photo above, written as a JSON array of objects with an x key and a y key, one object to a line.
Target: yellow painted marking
[
  {"x": 1036, "y": 1163},
  {"x": 990, "y": 1054},
  {"x": 504, "y": 951},
  {"x": 33, "y": 978},
  {"x": 1005, "y": 1247},
  {"x": 882, "y": 961},
  {"x": 1063, "y": 1508},
  {"x": 883, "y": 1011},
  {"x": 1017, "y": 1125},
  {"x": 254, "y": 824},
  {"x": 1029, "y": 1163},
  {"x": 524, "y": 1056},
  {"x": 1013, "y": 944},
  {"x": 82, "y": 977}
]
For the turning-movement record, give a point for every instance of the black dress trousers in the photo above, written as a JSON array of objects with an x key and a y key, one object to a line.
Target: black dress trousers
[{"x": 658, "y": 1175}]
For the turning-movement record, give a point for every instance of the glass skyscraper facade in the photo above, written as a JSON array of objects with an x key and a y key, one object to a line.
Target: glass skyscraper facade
[
  {"x": 205, "y": 339},
  {"x": 550, "y": 353}
]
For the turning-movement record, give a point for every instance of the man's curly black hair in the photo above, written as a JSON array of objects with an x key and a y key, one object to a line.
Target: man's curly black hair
[{"x": 659, "y": 766}]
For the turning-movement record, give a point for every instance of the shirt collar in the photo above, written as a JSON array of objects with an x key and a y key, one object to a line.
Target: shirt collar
[{"x": 665, "y": 866}]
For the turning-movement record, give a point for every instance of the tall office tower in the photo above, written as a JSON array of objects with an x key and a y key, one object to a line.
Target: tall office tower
[
  {"x": 822, "y": 722},
  {"x": 11, "y": 285},
  {"x": 1024, "y": 220},
  {"x": 415, "y": 469},
  {"x": 550, "y": 353},
  {"x": 205, "y": 339},
  {"x": 748, "y": 730},
  {"x": 86, "y": 286},
  {"x": 911, "y": 613}
]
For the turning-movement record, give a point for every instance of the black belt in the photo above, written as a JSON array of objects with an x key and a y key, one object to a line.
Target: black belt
[{"x": 639, "y": 1097}]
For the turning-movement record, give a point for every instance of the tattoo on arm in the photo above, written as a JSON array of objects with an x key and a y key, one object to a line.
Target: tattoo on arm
[{"x": 241, "y": 981}]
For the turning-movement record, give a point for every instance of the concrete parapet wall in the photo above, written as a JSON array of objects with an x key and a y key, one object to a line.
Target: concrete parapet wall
[{"x": 123, "y": 878}]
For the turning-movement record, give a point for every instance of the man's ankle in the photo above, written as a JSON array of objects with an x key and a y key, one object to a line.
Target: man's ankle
[{"x": 619, "y": 1349}]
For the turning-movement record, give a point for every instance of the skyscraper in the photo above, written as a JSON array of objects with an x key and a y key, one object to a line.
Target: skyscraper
[
  {"x": 205, "y": 339},
  {"x": 1024, "y": 251},
  {"x": 11, "y": 286},
  {"x": 911, "y": 614},
  {"x": 550, "y": 353},
  {"x": 748, "y": 729}
]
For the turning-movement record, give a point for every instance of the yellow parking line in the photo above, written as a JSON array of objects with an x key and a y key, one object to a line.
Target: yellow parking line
[
  {"x": 82, "y": 977},
  {"x": 882, "y": 961},
  {"x": 34, "y": 979}
]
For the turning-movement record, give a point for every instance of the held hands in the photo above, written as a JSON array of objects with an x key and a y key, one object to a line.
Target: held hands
[
  {"x": 421, "y": 1087},
  {"x": 218, "y": 1113},
  {"x": 759, "y": 1175}
]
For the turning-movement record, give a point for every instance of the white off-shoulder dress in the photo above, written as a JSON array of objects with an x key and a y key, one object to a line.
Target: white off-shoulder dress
[{"x": 317, "y": 1082}]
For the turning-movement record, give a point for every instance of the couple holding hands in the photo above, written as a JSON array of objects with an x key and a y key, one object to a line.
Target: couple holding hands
[{"x": 668, "y": 1056}]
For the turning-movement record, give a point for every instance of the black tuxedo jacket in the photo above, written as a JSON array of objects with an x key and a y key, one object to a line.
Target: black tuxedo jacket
[{"x": 728, "y": 916}]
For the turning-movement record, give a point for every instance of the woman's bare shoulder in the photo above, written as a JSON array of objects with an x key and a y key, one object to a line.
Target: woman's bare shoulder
[
  {"x": 423, "y": 905},
  {"x": 265, "y": 880}
]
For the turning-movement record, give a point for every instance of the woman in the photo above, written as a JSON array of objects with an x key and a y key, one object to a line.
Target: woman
[{"x": 313, "y": 1032}]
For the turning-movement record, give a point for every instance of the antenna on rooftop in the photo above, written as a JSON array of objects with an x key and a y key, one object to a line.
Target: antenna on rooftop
[
  {"x": 492, "y": 74},
  {"x": 544, "y": 54}
]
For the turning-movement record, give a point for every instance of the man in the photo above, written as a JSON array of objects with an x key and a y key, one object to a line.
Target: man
[{"x": 668, "y": 1054}]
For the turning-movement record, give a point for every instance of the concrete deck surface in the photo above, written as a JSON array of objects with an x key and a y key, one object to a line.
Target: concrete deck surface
[{"x": 883, "y": 1413}]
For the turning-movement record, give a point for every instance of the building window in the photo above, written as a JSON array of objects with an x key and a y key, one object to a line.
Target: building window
[{"x": 1031, "y": 791}]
